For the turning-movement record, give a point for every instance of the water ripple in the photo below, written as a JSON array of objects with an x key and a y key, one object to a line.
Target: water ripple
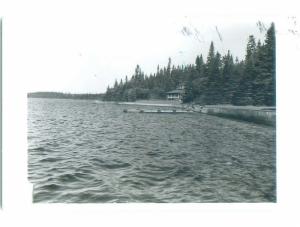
[{"x": 82, "y": 152}]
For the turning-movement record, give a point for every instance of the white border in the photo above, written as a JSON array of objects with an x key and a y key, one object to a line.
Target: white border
[{"x": 18, "y": 209}]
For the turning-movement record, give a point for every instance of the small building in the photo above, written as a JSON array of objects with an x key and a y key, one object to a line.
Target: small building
[{"x": 176, "y": 94}]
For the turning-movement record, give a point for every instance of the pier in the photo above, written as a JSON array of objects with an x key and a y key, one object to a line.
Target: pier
[
  {"x": 261, "y": 115},
  {"x": 159, "y": 111}
]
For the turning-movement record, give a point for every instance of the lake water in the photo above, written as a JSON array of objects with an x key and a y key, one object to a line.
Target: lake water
[{"x": 82, "y": 151}]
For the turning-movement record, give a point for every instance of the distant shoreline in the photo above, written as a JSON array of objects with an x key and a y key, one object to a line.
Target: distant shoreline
[
  {"x": 61, "y": 95},
  {"x": 256, "y": 114}
]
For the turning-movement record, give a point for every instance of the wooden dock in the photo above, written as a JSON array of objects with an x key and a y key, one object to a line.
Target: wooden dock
[
  {"x": 170, "y": 105},
  {"x": 156, "y": 111},
  {"x": 261, "y": 115}
]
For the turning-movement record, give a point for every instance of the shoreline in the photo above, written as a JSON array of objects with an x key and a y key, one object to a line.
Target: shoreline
[
  {"x": 265, "y": 115},
  {"x": 255, "y": 114},
  {"x": 260, "y": 115}
]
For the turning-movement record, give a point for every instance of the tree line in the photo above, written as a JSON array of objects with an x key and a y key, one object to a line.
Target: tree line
[
  {"x": 218, "y": 80},
  {"x": 60, "y": 95}
]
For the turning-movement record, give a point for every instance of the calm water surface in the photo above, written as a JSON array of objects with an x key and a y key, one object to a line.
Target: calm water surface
[{"x": 84, "y": 152}]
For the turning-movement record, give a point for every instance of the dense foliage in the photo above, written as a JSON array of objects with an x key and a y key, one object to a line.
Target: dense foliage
[{"x": 219, "y": 80}]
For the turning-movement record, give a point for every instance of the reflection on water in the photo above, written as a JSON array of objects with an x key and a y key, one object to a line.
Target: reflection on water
[{"x": 84, "y": 151}]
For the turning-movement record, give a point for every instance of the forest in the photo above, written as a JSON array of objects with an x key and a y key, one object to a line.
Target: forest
[{"x": 218, "y": 80}]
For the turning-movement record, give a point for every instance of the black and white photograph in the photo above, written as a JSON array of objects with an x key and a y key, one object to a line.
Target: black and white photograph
[
  {"x": 149, "y": 113},
  {"x": 159, "y": 110}
]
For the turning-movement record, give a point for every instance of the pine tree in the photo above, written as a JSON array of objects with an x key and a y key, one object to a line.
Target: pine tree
[
  {"x": 244, "y": 93},
  {"x": 200, "y": 67},
  {"x": 264, "y": 83},
  {"x": 227, "y": 78},
  {"x": 210, "y": 59},
  {"x": 209, "y": 71},
  {"x": 217, "y": 96},
  {"x": 116, "y": 84},
  {"x": 270, "y": 62},
  {"x": 259, "y": 85},
  {"x": 169, "y": 66}
]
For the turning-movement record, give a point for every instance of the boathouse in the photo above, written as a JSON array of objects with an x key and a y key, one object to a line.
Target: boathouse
[{"x": 176, "y": 94}]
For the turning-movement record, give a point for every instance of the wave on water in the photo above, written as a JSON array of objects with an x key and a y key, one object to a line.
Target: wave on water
[{"x": 79, "y": 152}]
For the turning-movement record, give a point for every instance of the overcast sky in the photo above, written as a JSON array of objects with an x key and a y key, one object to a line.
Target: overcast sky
[{"x": 83, "y": 49}]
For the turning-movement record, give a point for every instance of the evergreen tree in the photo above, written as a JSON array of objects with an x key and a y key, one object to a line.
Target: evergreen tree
[
  {"x": 216, "y": 84},
  {"x": 200, "y": 66},
  {"x": 264, "y": 83},
  {"x": 210, "y": 60},
  {"x": 116, "y": 84},
  {"x": 213, "y": 66},
  {"x": 270, "y": 62},
  {"x": 259, "y": 83},
  {"x": 227, "y": 85},
  {"x": 244, "y": 93},
  {"x": 169, "y": 66}
]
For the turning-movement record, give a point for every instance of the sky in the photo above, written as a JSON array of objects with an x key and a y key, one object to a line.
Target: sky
[{"x": 85, "y": 48}]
